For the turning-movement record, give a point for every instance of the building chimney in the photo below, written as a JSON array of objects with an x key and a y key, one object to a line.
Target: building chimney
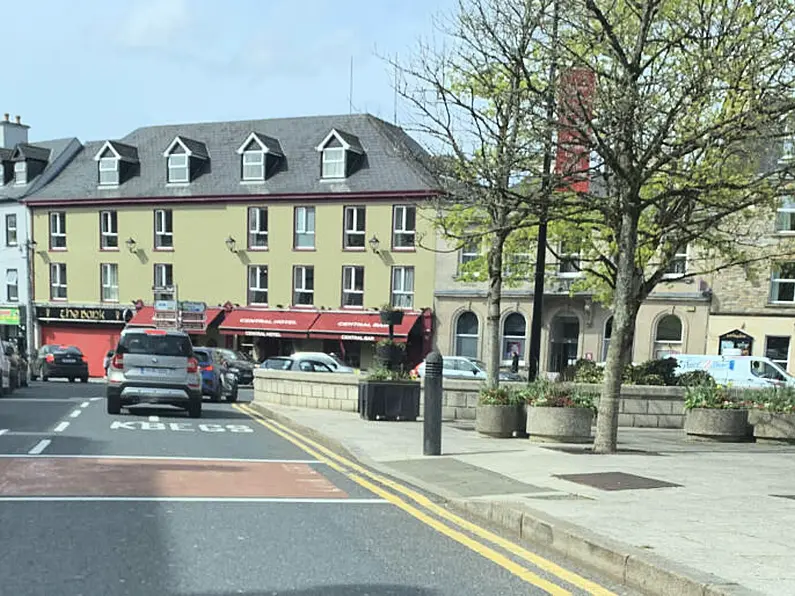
[
  {"x": 19, "y": 120},
  {"x": 6, "y": 115},
  {"x": 12, "y": 133}
]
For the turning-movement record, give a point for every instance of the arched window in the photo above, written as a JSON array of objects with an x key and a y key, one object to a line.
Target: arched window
[
  {"x": 514, "y": 336},
  {"x": 606, "y": 337},
  {"x": 668, "y": 337},
  {"x": 466, "y": 335}
]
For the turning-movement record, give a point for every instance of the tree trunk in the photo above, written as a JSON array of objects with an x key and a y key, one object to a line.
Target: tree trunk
[
  {"x": 493, "y": 355},
  {"x": 626, "y": 303}
]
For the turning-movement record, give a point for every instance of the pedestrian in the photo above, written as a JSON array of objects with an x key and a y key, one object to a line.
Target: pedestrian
[{"x": 515, "y": 362}]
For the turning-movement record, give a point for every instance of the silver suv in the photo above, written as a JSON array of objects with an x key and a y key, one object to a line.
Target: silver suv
[{"x": 154, "y": 366}]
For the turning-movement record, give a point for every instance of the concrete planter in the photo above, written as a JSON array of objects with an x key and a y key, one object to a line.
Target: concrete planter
[
  {"x": 559, "y": 425},
  {"x": 773, "y": 427},
  {"x": 497, "y": 421},
  {"x": 714, "y": 424}
]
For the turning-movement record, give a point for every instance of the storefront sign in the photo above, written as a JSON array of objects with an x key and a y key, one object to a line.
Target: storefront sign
[
  {"x": 165, "y": 305},
  {"x": 357, "y": 337},
  {"x": 9, "y": 316},
  {"x": 736, "y": 342},
  {"x": 193, "y": 307},
  {"x": 71, "y": 314},
  {"x": 263, "y": 334},
  {"x": 264, "y": 322}
]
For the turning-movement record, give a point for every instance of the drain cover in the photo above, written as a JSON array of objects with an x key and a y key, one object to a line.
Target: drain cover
[{"x": 616, "y": 481}]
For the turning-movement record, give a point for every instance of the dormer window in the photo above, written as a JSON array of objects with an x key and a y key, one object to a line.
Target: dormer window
[
  {"x": 2, "y": 174},
  {"x": 116, "y": 163},
  {"x": 185, "y": 159},
  {"x": 20, "y": 172},
  {"x": 109, "y": 171},
  {"x": 259, "y": 154},
  {"x": 341, "y": 154}
]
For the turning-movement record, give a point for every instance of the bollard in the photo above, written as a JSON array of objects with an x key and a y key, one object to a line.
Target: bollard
[{"x": 432, "y": 415}]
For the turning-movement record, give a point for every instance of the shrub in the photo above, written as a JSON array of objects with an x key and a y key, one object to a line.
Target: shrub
[
  {"x": 500, "y": 396},
  {"x": 716, "y": 397},
  {"x": 776, "y": 399},
  {"x": 588, "y": 371},
  {"x": 385, "y": 374},
  {"x": 695, "y": 377},
  {"x": 654, "y": 372}
]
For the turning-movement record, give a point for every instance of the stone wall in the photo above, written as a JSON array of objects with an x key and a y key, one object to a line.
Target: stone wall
[{"x": 641, "y": 406}]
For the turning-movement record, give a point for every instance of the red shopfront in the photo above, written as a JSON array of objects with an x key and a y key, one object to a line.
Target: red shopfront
[
  {"x": 270, "y": 332},
  {"x": 95, "y": 330},
  {"x": 144, "y": 317}
]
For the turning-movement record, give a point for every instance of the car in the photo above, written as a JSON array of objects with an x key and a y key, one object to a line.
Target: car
[
  {"x": 218, "y": 378},
  {"x": 298, "y": 364},
  {"x": 330, "y": 360},
  {"x": 14, "y": 369},
  {"x": 464, "y": 368},
  {"x": 154, "y": 366},
  {"x": 55, "y": 361},
  {"x": 239, "y": 364}
]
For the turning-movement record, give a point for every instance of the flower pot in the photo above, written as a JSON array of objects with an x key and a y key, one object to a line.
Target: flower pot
[
  {"x": 559, "y": 425},
  {"x": 496, "y": 420},
  {"x": 391, "y": 317},
  {"x": 389, "y": 400},
  {"x": 773, "y": 427},
  {"x": 716, "y": 424}
]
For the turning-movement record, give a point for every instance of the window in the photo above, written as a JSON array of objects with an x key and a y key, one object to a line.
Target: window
[
  {"x": 404, "y": 226},
  {"x": 108, "y": 171},
  {"x": 777, "y": 349},
  {"x": 108, "y": 230},
  {"x": 2, "y": 174},
  {"x": 668, "y": 337},
  {"x": 514, "y": 336},
  {"x": 164, "y": 228},
  {"x": 253, "y": 164},
  {"x": 57, "y": 281},
  {"x": 568, "y": 261},
  {"x": 12, "y": 285},
  {"x": 466, "y": 335},
  {"x": 304, "y": 227},
  {"x": 470, "y": 251},
  {"x": 258, "y": 284},
  {"x": 258, "y": 227},
  {"x": 517, "y": 265},
  {"x": 785, "y": 216},
  {"x": 678, "y": 265},
  {"x": 164, "y": 275},
  {"x": 403, "y": 287},
  {"x": 155, "y": 345},
  {"x": 58, "y": 231},
  {"x": 782, "y": 286},
  {"x": 354, "y": 227},
  {"x": 109, "y": 276},
  {"x": 333, "y": 162},
  {"x": 606, "y": 338},
  {"x": 21, "y": 172},
  {"x": 303, "y": 285},
  {"x": 11, "y": 230},
  {"x": 353, "y": 286},
  {"x": 178, "y": 167}
]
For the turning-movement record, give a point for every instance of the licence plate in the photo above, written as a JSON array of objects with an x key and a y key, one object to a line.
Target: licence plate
[
  {"x": 155, "y": 371},
  {"x": 68, "y": 360}
]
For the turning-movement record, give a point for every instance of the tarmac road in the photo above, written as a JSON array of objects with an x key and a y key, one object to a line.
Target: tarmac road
[{"x": 156, "y": 503}]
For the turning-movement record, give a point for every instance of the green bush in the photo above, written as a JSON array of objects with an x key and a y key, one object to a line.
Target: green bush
[
  {"x": 384, "y": 374},
  {"x": 499, "y": 396},
  {"x": 776, "y": 399},
  {"x": 717, "y": 397},
  {"x": 654, "y": 372},
  {"x": 588, "y": 371},
  {"x": 695, "y": 377}
]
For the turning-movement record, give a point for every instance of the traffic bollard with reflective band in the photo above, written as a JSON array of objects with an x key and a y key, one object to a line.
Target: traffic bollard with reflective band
[{"x": 432, "y": 414}]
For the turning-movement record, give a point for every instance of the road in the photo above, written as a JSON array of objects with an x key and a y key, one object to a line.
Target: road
[{"x": 156, "y": 503}]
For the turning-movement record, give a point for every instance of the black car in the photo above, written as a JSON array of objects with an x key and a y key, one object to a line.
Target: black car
[
  {"x": 238, "y": 364},
  {"x": 58, "y": 361}
]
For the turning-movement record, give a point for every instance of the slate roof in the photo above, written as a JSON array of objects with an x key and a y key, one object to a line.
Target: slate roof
[
  {"x": 273, "y": 146},
  {"x": 59, "y": 152},
  {"x": 125, "y": 152},
  {"x": 392, "y": 161},
  {"x": 28, "y": 151},
  {"x": 5, "y": 154}
]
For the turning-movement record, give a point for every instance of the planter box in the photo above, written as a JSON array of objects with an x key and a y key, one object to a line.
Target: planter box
[
  {"x": 391, "y": 317},
  {"x": 559, "y": 425},
  {"x": 497, "y": 421},
  {"x": 773, "y": 427},
  {"x": 389, "y": 400},
  {"x": 717, "y": 424}
]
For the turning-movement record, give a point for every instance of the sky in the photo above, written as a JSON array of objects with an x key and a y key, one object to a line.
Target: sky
[{"x": 96, "y": 70}]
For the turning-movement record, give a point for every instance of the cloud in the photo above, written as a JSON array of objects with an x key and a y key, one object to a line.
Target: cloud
[{"x": 154, "y": 23}]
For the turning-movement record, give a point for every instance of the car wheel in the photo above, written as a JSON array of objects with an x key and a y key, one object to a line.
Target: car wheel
[
  {"x": 84, "y": 379},
  {"x": 45, "y": 378},
  {"x": 114, "y": 405},
  {"x": 215, "y": 396},
  {"x": 232, "y": 397},
  {"x": 195, "y": 408},
  {"x": 71, "y": 379}
]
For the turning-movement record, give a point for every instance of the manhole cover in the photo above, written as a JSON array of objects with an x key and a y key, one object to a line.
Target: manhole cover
[{"x": 616, "y": 481}]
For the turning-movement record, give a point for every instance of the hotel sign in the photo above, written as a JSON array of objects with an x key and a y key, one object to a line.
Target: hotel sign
[{"x": 72, "y": 314}]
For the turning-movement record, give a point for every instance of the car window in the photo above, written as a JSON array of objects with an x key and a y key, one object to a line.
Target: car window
[
  {"x": 74, "y": 351},
  {"x": 202, "y": 356},
  {"x": 448, "y": 364},
  {"x": 277, "y": 363},
  {"x": 465, "y": 365},
  {"x": 320, "y": 367},
  {"x": 159, "y": 345}
]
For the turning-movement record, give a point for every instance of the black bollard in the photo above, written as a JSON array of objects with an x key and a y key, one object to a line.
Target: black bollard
[{"x": 432, "y": 416}]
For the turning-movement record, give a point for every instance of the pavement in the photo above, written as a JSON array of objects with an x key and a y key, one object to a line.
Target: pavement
[
  {"x": 153, "y": 502},
  {"x": 665, "y": 515}
]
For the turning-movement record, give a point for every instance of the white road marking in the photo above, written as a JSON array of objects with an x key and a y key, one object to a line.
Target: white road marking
[
  {"x": 76, "y": 413},
  {"x": 96, "y": 398},
  {"x": 3, "y": 431},
  {"x": 179, "y": 426},
  {"x": 61, "y": 427},
  {"x": 39, "y": 447},
  {"x": 205, "y": 500},
  {"x": 51, "y": 400},
  {"x": 154, "y": 418},
  {"x": 85, "y": 404},
  {"x": 171, "y": 458}
]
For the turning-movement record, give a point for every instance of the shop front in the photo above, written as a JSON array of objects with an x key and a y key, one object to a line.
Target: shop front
[
  {"x": 263, "y": 333},
  {"x": 95, "y": 330},
  {"x": 11, "y": 322},
  {"x": 204, "y": 334}
]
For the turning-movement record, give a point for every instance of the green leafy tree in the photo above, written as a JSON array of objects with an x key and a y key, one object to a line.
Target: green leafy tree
[{"x": 684, "y": 121}]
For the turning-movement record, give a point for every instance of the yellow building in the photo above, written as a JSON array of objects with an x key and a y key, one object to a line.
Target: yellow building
[{"x": 293, "y": 232}]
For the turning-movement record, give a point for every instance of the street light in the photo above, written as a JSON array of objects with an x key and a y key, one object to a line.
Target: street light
[
  {"x": 374, "y": 243},
  {"x": 131, "y": 244},
  {"x": 231, "y": 244}
]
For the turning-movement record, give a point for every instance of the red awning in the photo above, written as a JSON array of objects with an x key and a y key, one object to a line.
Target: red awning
[
  {"x": 268, "y": 323},
  {"x": 359, "y": 326},
  {"x": 145, "y": 318}
]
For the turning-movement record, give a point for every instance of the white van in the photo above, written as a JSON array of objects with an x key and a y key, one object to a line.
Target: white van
[{"x": 739, "y": 371}]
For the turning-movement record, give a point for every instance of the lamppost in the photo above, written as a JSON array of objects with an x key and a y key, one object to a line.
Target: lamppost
[{"x": 30, "y": 248}]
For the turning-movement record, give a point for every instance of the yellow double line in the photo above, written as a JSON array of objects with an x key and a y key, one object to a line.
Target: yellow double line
[{"x": 371, "y": 481}]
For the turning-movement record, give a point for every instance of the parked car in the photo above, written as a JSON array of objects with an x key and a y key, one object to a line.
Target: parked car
[
  {"x": 331, "y": 360},
  {"x": 155, "y": 366},
  {"x": 464, "y": 368},
  {"x": 60, "y": 362},
  {"x": 302, "y": 364},
  {"x": 14, "y": 370},
  {"x": 218, "y": 378},
  {"x": 239, "y": 364}
]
